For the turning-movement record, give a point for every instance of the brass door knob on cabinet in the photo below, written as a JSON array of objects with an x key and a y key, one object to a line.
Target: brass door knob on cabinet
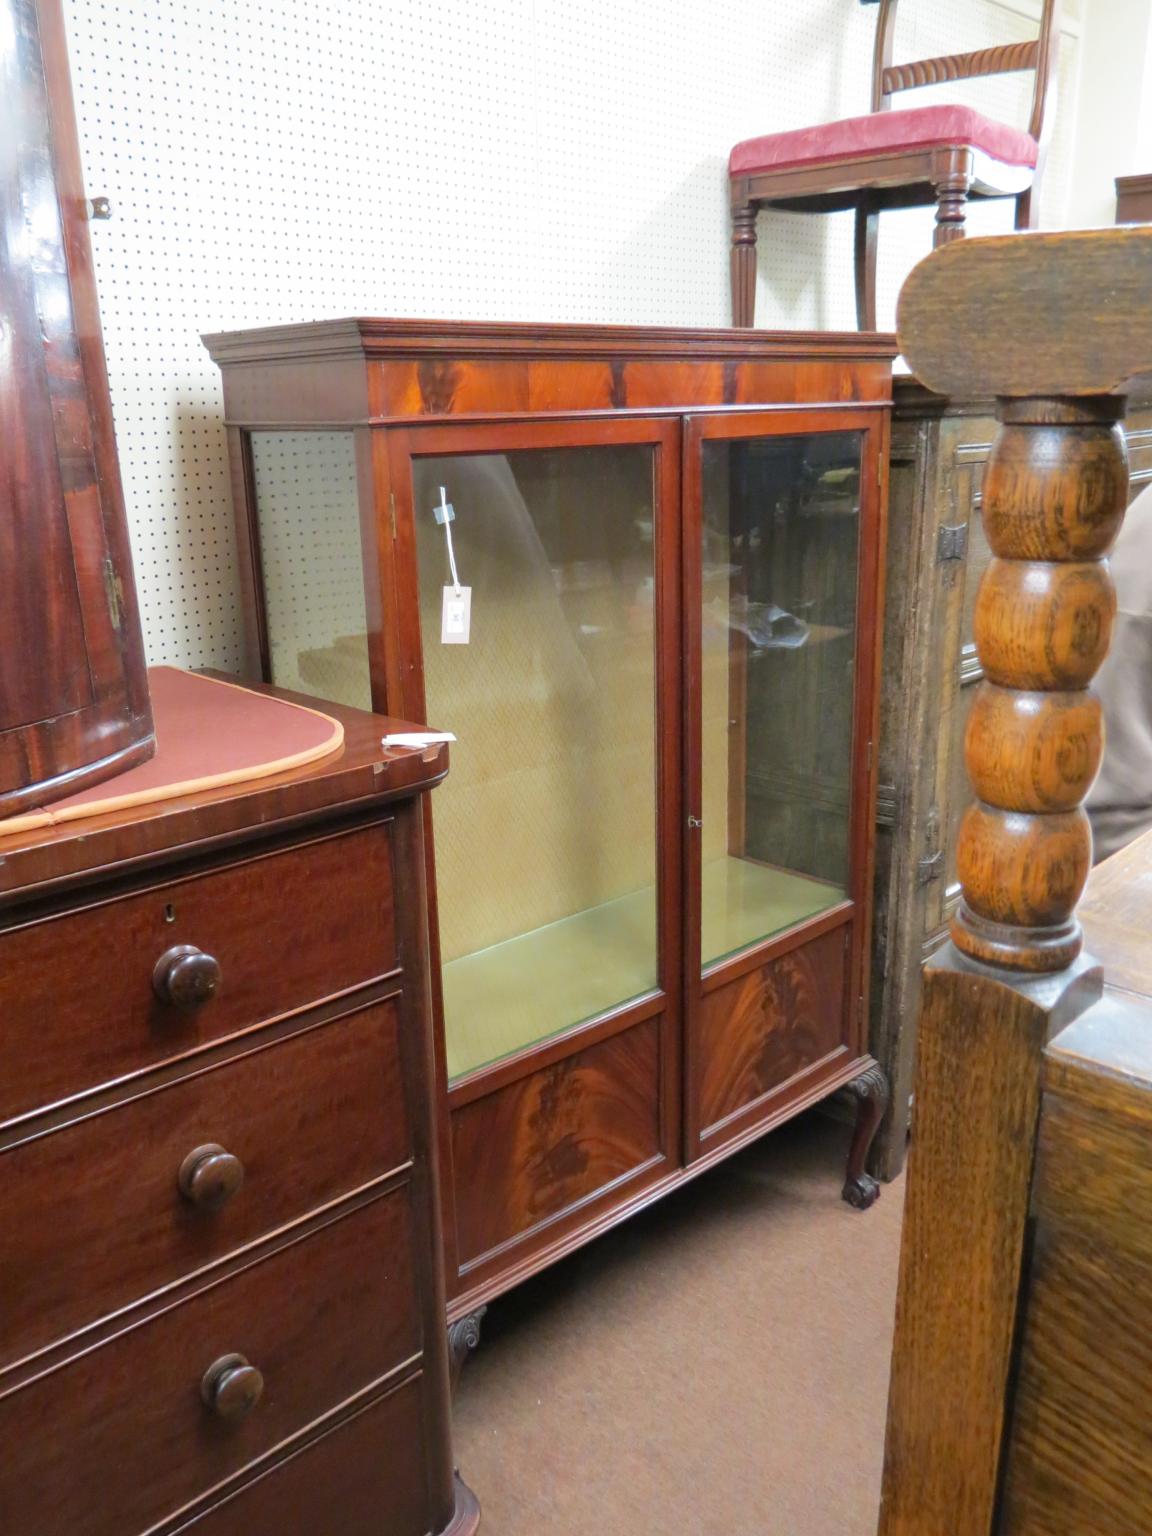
[
  {"x": 209, "y": 1176},
  {"x": 186, "y": 977},
  {"x": 231, "y": 1388}
]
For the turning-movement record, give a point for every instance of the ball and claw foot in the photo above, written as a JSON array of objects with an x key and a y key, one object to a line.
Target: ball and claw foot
[
  {"x": 862, "y": 1193},
  {"x": 870, "y": 1090}
]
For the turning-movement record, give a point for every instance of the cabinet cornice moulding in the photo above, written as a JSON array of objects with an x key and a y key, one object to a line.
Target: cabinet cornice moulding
[{"x": 377, "y": 338}]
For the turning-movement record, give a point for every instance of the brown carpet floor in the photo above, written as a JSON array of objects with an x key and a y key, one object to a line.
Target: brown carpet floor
[{"x": 716, "y": 1367}]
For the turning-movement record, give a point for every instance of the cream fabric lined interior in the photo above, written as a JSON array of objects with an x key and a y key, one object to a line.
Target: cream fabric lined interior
[{"x": 538, "y": 984}]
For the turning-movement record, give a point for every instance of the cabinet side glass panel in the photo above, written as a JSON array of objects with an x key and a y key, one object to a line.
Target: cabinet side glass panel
[
  {"x": 545, "y": 828},
  {"x": 310, "y": 559},
  {"x": 780, "y": 520}
]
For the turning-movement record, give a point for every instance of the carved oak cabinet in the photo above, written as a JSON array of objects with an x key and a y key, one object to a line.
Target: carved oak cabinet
[
  {"x": 638, "y": 574},
  {"x": 222, "y": 1297}
]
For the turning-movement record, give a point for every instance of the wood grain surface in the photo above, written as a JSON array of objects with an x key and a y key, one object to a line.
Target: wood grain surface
[
  {"x": 761, "y": 1029},
  {"x": 535, "y": 1149},
  {"x": 1117, "y": 916},
  {"x": 310, "y": 1493},
  {"x": 107, "y": 1021},
  {"x": 1080, "y": 1448},
  {"x": 121, "y": 1229},
  {"x": 977, "y": 1105},
  {"x": 1041, "y": 313},
  {"x": 322, "y": 1319}
]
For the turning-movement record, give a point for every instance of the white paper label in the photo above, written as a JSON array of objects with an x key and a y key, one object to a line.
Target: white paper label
[{"x": 456, "y": 616}]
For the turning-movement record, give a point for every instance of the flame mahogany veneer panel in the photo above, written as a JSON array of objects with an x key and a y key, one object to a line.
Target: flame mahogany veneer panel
[
  {"x": 760, "y": 1030},
  {"x": 534, "y": 1149}
]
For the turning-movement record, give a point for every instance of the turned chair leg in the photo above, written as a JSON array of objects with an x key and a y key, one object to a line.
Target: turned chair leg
[
  {"x": 867, "y": 229},
  {"x": 951, "y": 207},
  {"x": 870, "y": 1091},
  {"x": 743, "y": 263}
]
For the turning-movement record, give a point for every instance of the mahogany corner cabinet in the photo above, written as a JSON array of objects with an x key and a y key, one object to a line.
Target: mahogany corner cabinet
[{"x": 638, "y": 574}]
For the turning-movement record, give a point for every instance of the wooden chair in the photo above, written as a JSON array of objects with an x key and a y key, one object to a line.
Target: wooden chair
[
  {"x": 942, "y": 154},
  {"x": 1023, "y": 1346}
]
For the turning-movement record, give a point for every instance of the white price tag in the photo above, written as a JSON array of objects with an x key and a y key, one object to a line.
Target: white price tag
[{"x": 456, "y": 616}]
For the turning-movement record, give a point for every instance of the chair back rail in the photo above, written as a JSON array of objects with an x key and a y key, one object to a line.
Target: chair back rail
[{"x": 1038, "y": 54}]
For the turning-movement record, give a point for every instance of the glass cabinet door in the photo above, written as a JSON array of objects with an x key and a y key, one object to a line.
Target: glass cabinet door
[
  {"x": 545, "y": 829},
  {"x": 779, "y": 547}
]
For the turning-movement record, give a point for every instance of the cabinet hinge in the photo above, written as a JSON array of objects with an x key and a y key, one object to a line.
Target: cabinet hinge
[
  {"x": 392, "y": 512},
  {"x": 951, "y": 542},
  {"x": 114, "y": 594},
  {"x": 929, "y": 867}
]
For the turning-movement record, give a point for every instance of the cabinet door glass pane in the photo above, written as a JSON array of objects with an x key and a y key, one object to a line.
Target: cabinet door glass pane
[
  {"x": 310, "y": 557},
  {"x": 546, "y": 824},
  {"x": 780, "y": 533}
]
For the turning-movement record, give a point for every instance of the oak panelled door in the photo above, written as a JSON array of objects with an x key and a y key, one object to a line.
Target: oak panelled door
[
  {"x": 778, "y": 610},
  {"x": 550, "y": 552}
]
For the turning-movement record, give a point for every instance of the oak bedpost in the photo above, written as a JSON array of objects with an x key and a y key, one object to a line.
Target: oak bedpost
[{"x": 1053, "y": 325}]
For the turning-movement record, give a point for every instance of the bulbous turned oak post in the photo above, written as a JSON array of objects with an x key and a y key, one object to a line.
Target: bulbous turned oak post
[
  {"x": 1055, "y": 490},
  {"x": 1052, "y": 325}
]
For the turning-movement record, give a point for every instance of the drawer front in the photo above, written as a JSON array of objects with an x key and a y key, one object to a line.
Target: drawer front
[
  {"x": 763, "y": 1029},
  {"x": 363, "y": 1479},
  {"x": 120, "y": 1437},
  {"x": 120, "y": 1226},
  {"x": 286, "y": 930}
]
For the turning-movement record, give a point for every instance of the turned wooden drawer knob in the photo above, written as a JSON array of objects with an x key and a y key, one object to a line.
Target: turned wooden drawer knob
[
  {"x": 185, "y": 976},
  {"x": 231, "y": 1388},
  {"x": 209, "y": 1176}
]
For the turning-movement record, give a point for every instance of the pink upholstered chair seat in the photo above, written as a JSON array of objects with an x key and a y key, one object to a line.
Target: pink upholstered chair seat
[{"x": 855, "y": 138}]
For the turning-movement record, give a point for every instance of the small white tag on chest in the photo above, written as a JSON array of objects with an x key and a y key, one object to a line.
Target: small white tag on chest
[{"x": 456, "y": 616}]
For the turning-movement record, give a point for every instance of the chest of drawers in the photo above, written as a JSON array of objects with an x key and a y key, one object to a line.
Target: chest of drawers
[{"x": 223, "y": 1304}]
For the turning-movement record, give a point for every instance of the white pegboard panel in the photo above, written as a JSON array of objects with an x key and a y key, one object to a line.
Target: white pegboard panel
[{"x": 278, "y": 160}]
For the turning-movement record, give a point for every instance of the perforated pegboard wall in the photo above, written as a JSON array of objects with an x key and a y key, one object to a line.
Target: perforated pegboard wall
[{"x": 277, "y": 160}]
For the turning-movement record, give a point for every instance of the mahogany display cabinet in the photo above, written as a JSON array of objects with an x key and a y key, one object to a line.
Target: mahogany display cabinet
[{"x": 638, "y": 574}]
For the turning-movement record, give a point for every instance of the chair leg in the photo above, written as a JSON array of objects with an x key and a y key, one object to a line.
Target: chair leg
[
  {"x": 1028, "y": 209},
  {"x": 743, "y": 263},
  {"x": 867, "y": 229},
  {"x": 951, "y": 207}
]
